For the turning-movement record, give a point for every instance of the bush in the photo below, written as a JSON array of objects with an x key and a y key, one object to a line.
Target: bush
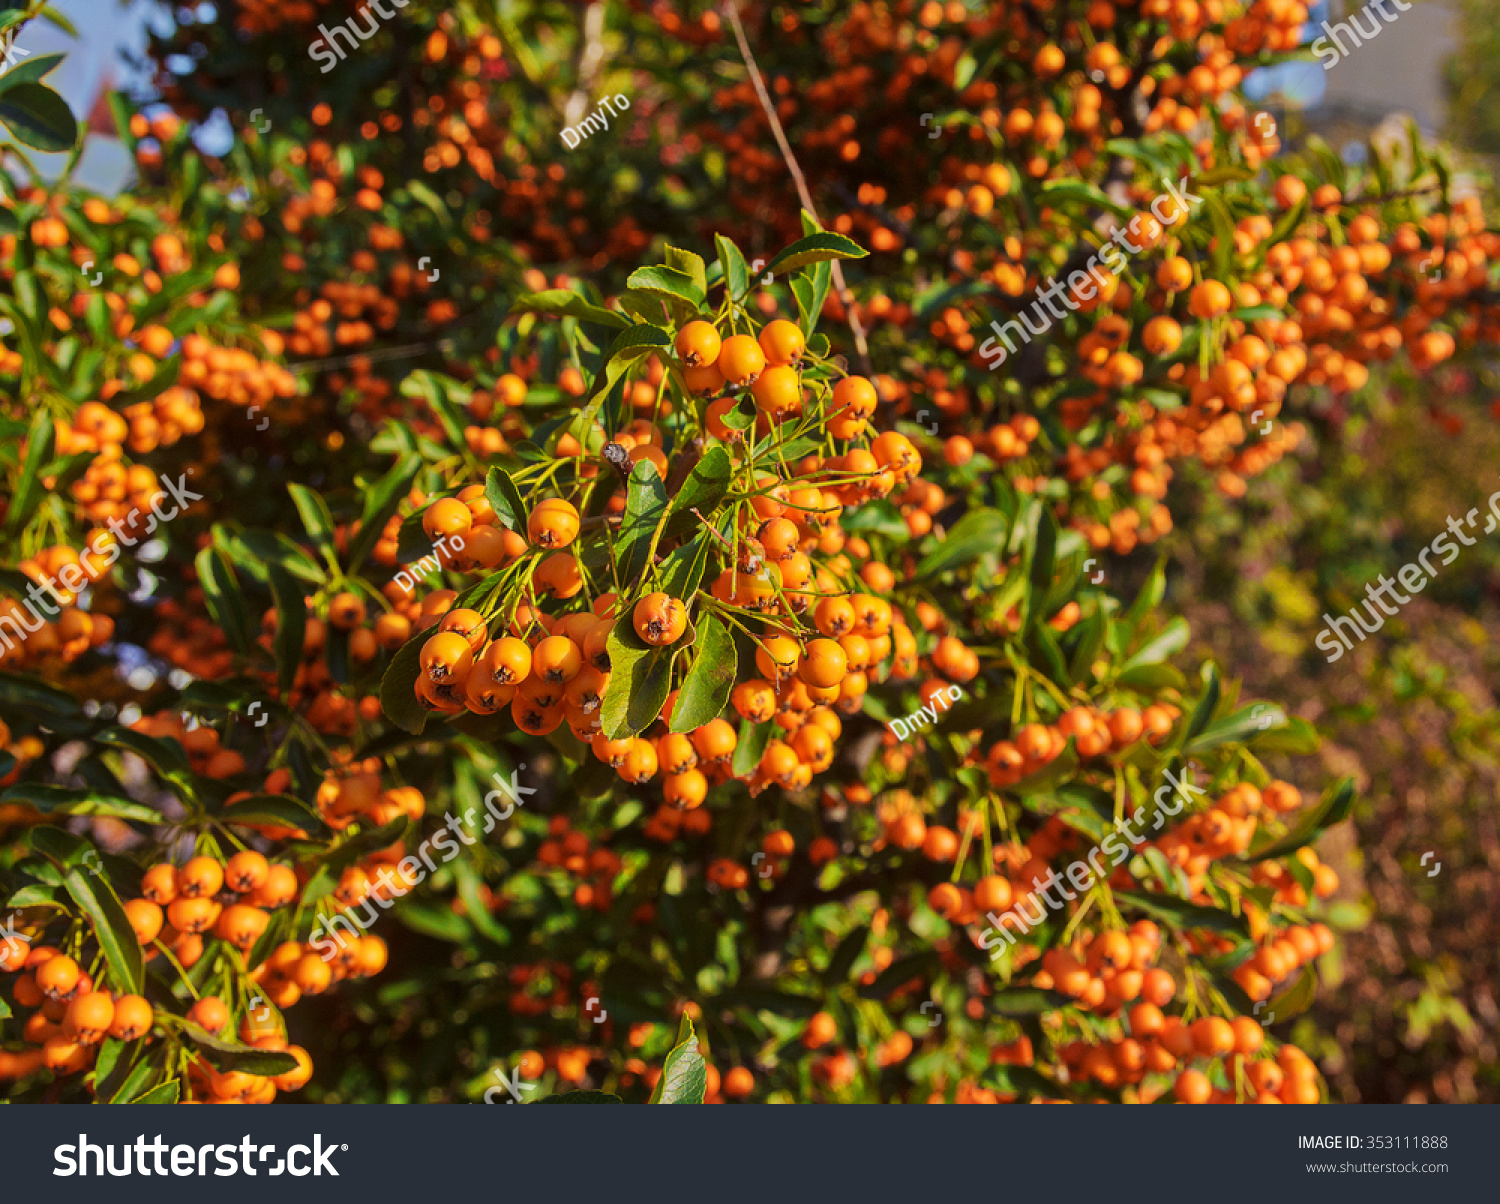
[{"x": 684, "y": 641}]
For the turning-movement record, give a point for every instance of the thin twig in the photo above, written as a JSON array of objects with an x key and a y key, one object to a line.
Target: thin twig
[{"x": 844, "y": 295}]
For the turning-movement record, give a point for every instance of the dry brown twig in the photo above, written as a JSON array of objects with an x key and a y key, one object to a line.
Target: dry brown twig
[{"x": 731, "y": 12}]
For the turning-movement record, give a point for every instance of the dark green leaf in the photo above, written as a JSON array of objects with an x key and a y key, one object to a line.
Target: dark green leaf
[
  {"x": 705, "y": 691},
  {"x": 1181, "y": 915},
  {"x": 974, "y": 535},
  {"x": 38, "y": 117},
  {"x": 291, "y": 626},
  {"x": 814, "y": 249},
  {"x": 315, "y": 517},
  {"x": 225, "y": 1055},
  {"x": 505, "y": 499},
  {"x": 382, "y": 501},
  {"x": 398, "y": 698},
  {"x": 222, "y": 596},
  {"x": 97, "y": 900},
  {"x": 24, "y": 502},
  {"x": 1334, "y": 808},
  {"x": 646, "y": 505},
  {"x": 640, "y": 678}
]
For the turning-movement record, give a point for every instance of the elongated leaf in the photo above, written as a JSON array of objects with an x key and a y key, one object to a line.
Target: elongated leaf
[
  {"x": 291, "y": 626},
  {"x": 222, "y": 596},
  {"x": 815, "y": 248},
  {"x": 681, "y": 571},
  {"x": 162, "y": 1093},
  {"x": 398, "y": 697},
  {"x": 97, "y": 900},
  {"x": 1039, "y": 573},
  {"x": 562, "y": 302},
  {"x": 640, "y": 678},
  {"x": 668, "y": 283},
  {"x": 975, "y": 534},
  {"x": 903, "y": 970},
  {"x": 646, "y": 506},
  {"x": 1182, "y": 915},
  {"x": 29, "y": 70},
  {"x": 753, "y": 738},
  {"x": 703, "y": 490},
  {"x": 736, "y": 274},
  {"x": 281, "y": 810},
  {"x": 165, "y": 756},
  {"x": 1203, "y": 712},
  {"x": 65, "y": 800},
  {"x": 38, "y": 117},
  {"x": 846, "y": 955},
  {"x": 226, "y": 1055},
  {"x": 684, "y": 1074},
  {"x": 631, "y": 346},
  {"x": 1333, "y": 809},
  {"x": 705, "y": 691},
  {"x": 1027, "y": 1001},
  {"x": 505, "y": 499},
  {"x": 315, "y": 517},
  {"x": 382, "y": 501},
  {"x": 1171, "y": 640},
  {"x": 580, "y": 1097},
  {"x": 23, "y": 502},
  {"x": 1240, "y": 728}
]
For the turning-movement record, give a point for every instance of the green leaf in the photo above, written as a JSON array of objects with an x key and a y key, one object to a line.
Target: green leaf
[
  {"x": 844, "y": 957},
  {"x": 23, "y": 502},
  {"x": 1149, "y": 597},
  {"x": 1171, "y": 640},
  {"x": 975, "y": 534},
  {"x": 1223, "y": 224},
  {"x": 282, "y": 810},
  {"x": 382, "y": 501},
  {"x": 38, "y": 117},
  {"x": 681, "y": 571},
  {"x": 645, "y": 508},
  {"x": 705, "y": 691},
  {"x": 640, "y": 678},
  {"x": 1182, "y": 915},
  {"x": 1027, "y": 1001},
  {"x": 28, "y": 71},
  {"x": 1293, "y": 1001},
  {"x": 1039, "y": 570},
  {"x": 667, "y": 283},
  {"x": 876, "y": 517},
  {"x": 225, "y": 1055},
  {"x": 165, "y": 756},
  {"x": 753, "y": 738},
  {"x": 65, "y": 800},
  {"x": 630, "y": 347},
  {"x": 398, "y": 697},
  {"x": 703, "y": 490},
  {"x": 222, "y": 597},
  {"x": 732, "y": 260},
  {"x": 255, "y": 550},
  {"x": 581, "y": 1097},
  {"x": 162, "y": 1093},
  {"x": 690, "y": 265},
  {"x": 315, "y": 517},
  {"x": 1334, "y": 808},
  {"x": 1057, "y": 192},
  {"x": 900, "y": 972},
  {"x": 97, "y": 900},
  {"x": 1203, "y": 712},
  {"x": 20, "y": 694},
  {"x": 1239, "y": 728},
  {"x": 815, "y": 248},
  {"x": 684, "y": 1074},
  {"x": 291, "y": 626},
  {"x": 565, "y": 303},
  {"x": 505, "y": 500}
]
